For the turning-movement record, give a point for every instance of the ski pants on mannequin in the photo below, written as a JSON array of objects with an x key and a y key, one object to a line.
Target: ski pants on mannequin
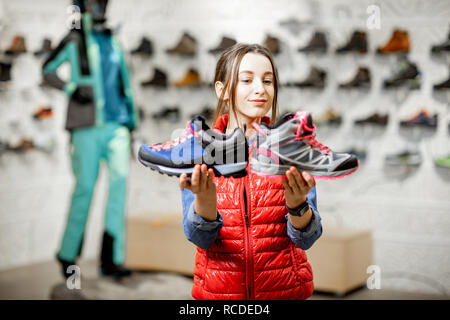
[{"x": 111, "y": 143}]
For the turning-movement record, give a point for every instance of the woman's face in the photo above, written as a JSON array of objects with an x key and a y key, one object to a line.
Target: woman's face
[{"x": 255, "y": 88}]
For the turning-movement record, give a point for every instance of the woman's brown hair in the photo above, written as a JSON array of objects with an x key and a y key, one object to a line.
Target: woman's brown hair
[{"x": 227, "y": 71}]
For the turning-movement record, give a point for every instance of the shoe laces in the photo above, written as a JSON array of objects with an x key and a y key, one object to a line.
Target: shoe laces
[
  {"x": 187, "y": 134},
  {"x": 302, "y": 116},
  {"x": 311, "y": 137}
]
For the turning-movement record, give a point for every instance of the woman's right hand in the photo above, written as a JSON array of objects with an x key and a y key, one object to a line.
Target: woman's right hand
[{"x": 202, "y": 185}]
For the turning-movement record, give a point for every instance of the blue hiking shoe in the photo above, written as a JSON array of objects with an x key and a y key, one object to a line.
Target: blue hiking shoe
[{"x": 227, "y": 155}]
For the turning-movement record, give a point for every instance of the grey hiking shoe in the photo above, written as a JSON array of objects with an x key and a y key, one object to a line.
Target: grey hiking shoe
[
  {"x": 291, "y": 142},
  {"x": 408, "y": 75},
  {"x": 405, "y": 158},
  {"x": 315, "y": 80}
]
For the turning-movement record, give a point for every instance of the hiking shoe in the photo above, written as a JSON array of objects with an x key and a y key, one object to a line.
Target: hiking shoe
[
  {"x": 317, "y": 44},
  {"x": 399, "y": 43},
  {"x": 66, "y": 271},
  {"x": 190, "y": 79},
  {"x": 145, "y": 47},
  {"x": 421, "y": 119},
  {"x": 159, "y": 79},
  {"x": 315, "y": 80},
  {"x": 291, "y": 142},
  {"x": 5, "y": 71},
  {"x": 187, "y": 46},
  {"x": 375, "y": 119},
  {"x": 115, "y": 271},
  {"x": 443, "y": 47},
  {"x": 330, "y": 117},
  {"x": 443, "y": 162},
  {"x": 107, "y": 265},
  {"x": 405, "y": 158},
  {"x": 360, "y": 80},
  {"x": 273, "y": 44},
  {"x": 407, "y": 75},
  {"x": 45, "y": 48},
  {"x": 171, "y": 114},
  {"x": 357, "y": 43},
  {"x": 442, "y": 85},
  {"x": 17, "y": 46},
  {"x": 227, "y": 155},
  {"x": 43, "y": 113},
  {"x": 225, "y": 43}
]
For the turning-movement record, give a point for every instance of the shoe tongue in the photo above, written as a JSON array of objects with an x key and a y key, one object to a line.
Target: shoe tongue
[{"x": 305, "y": 120}]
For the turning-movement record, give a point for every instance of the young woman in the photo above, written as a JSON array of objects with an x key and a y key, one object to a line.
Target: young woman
[{"x": 249, "y": 246}]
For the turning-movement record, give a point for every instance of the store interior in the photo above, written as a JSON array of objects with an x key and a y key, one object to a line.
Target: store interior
[{"x": 374, "y": 76}]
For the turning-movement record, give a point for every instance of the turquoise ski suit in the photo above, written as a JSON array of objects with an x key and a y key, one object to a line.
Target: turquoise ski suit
[{"x": 100, "y": 130}]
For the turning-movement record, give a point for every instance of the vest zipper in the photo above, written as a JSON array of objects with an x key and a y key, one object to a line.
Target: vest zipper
[
  {"x": 245, "y": 204},
  {"x": 248, "y": 245}
]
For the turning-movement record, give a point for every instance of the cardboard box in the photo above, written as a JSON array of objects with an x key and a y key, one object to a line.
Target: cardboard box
[
  {"x": 339, "y": 259},
  {"x": 159, "y": 245}
]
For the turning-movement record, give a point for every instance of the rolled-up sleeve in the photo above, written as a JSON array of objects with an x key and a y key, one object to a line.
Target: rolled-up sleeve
[
  {"x": 197, "y": 230},
  {"x": 305, "y": 238}
]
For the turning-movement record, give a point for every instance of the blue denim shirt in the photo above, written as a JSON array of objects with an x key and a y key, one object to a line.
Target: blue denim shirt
[{"x": 203, "y": 233}]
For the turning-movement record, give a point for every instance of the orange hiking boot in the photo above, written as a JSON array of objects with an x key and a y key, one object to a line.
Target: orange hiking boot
[
  {"x": 399, "y": 43},
  {"x": 43, "y": 113},
  {"x": 17, "y": 46},
  {"x": 192, "y": 78}
]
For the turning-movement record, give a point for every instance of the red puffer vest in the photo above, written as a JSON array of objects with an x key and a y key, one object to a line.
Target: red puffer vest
[{"x": 252, "y": 257}]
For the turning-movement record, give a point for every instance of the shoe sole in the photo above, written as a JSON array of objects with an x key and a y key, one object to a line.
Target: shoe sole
[
  {"x": 236, "y": 170},
  {"x": 275, "y": 170}
]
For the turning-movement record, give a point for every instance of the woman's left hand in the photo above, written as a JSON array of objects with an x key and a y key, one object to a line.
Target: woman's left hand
[{"x": 296, "y": 186}]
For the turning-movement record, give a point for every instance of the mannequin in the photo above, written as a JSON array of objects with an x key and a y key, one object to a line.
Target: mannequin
[{"x": 100, "y": 118}]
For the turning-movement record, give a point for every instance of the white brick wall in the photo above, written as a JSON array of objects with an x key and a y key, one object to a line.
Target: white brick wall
[{"x": 409, "y": 217}]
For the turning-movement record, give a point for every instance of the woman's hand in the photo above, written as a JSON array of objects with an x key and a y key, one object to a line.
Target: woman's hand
[
  {"x": 296, "y": 187},
  {"x": 202, "y": 185}
]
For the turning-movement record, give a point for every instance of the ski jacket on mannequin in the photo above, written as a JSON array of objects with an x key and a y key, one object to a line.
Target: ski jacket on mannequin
[
  {"x": 80, "y": 49},
  {"x": 251, "y": 252}
]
